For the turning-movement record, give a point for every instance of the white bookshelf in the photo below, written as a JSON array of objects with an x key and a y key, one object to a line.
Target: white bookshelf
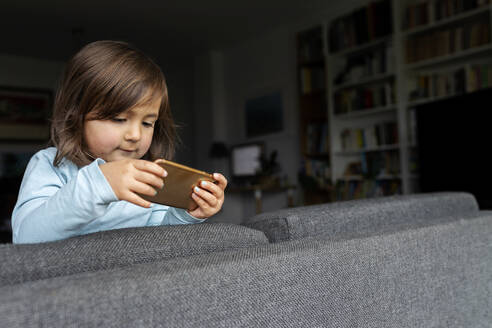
[
  {"x": 360, "y": 118},
  {"x": 403, "y": 75},
  {"x": 351, "y": 152},
  {"x": 447, "y": 21},
  {"x": 361, "y": 48},
  {"x": 461, "y": 58},
  {"x": 447, "y": 59},
  {"x": 365, "y": 80},
  {"x": 366, "y": 112}
]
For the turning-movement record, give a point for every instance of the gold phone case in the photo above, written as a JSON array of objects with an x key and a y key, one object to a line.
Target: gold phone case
[{"x": 178, "y": 185}]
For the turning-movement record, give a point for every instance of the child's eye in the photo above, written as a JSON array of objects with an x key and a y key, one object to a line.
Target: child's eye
[
  {"x": 118, "y": 120},
  {"x": 148, "y": 124}
]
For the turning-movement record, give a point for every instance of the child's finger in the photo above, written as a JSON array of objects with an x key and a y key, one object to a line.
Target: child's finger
[
  {"x": 137, "y": 200},
  {"x": 143, "y": 188},
  {"x": 149, "y": 178},
  {"x": 204, "y": 206},
  {"x": 209, "y": 198},
  {"x": 212, "y": 188},
  {"x": 222, "y": 181},
  {"x": 151, "y": 167}
]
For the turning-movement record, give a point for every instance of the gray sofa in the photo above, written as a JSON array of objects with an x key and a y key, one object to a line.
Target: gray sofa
[{"x": 403, "y": 261}]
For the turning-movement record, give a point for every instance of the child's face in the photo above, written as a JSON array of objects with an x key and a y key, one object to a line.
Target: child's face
[{"x": 128, "y": 135}]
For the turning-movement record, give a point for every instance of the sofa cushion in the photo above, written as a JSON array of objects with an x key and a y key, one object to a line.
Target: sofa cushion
[
  {"x": 436, "y": 276},
  {"x": 349, "y": 219},
  {"x": 116, "y": 248}
]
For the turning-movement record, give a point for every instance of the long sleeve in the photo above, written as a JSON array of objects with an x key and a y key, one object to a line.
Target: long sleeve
[
  {"x": 166, "y": 215},
  {"x": 60, "y": 202},
  {"x": 49, "y": 208}
]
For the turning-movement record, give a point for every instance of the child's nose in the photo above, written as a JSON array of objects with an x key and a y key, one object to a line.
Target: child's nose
[{"x": 133, "y": 133}]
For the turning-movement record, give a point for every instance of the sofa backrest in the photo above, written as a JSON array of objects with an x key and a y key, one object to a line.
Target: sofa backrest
[
  {"x": 435, "y": 276},
  {"x": 349, "y": 219},
  {"x": 116, "y": 248}
]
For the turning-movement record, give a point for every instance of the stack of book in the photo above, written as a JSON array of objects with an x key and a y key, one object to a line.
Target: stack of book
[
  {"x": 428, "y": 11},
  {"x": 370, "y": 137},
  {"x": 447, "y": 8},
  {"x": 447, "y": 41},
  {"x": 362, "y": 25},
  {"x": 451, "y": 82},
  {"x": 365, "y": 97}
]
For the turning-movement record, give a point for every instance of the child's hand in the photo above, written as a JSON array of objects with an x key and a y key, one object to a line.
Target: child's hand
[
  {"x": 131, "y": 176},
  {"x": 209, "y": 197}
]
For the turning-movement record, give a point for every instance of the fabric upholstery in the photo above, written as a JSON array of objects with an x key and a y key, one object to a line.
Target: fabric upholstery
[
  {"x": 350, "y": 219},
  {"x": 434, "y": 276},
  {"x": 116, "y": 248}
]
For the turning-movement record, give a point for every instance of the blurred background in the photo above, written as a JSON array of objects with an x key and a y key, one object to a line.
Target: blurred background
[{"x": 296, "y": 102}]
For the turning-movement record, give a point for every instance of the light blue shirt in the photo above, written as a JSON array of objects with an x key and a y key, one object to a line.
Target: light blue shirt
[{"x": 60, "y": 202}]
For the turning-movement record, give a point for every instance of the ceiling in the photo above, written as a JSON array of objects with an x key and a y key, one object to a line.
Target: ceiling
[{"x": 167, "y": 29}]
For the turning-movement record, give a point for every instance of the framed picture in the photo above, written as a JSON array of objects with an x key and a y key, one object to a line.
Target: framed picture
[
  {"x": 264, "y": 114},
  {"x": 24, "y": 113}
]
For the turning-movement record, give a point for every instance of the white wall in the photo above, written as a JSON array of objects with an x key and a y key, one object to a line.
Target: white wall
[
  {"x": 256, "y": 68},
  {"x": 210, "y": 117},
  {"x": 223, "y": 82},
  {"x": 253, "y": 68},
  {"x": 207, "y": 98}
]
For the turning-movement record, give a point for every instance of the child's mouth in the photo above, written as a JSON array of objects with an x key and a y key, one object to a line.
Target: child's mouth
[{"x": 128, "y": 150}]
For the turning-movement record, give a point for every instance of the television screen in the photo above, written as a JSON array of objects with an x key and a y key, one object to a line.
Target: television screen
[
  {"x": 245, "y": 159},
  {"x": 453, "y": 137}
]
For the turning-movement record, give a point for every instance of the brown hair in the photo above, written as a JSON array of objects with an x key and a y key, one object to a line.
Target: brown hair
[{"x": 106, "y": 78}]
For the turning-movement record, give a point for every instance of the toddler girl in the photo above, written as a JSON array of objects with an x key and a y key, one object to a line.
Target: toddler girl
[{"x": 111, "y": 119}]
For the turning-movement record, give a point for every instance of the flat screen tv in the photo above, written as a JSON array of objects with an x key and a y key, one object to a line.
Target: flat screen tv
[
  {"x": 245, "y": 160},
  {"x": 454, "y": 137}
]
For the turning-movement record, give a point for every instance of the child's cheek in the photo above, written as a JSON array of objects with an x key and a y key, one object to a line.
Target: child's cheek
[{"x": 145, "y": 143}]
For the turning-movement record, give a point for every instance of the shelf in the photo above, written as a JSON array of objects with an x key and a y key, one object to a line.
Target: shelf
[
  {"x": 366, "y": 112},
  {"x": 448, "y": 58},
  {"x": 447, "y": 21},
  {"x": 366, "y": 80},
  {"x": 348, "y": 126},
  {"x": 363, "y": 47},
  {"x": 427, "y": 100},
  {"x": 367, "y": 150}
]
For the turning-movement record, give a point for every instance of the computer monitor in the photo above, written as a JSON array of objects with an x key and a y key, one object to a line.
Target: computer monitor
[{"x": 245, "y": 160}]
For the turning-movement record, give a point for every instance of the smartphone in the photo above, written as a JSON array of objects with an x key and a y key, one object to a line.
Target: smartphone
[{"x": 178, "y": 184}]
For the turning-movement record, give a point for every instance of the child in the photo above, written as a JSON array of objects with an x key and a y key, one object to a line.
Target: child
[{"x": 111, "y": 119}]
